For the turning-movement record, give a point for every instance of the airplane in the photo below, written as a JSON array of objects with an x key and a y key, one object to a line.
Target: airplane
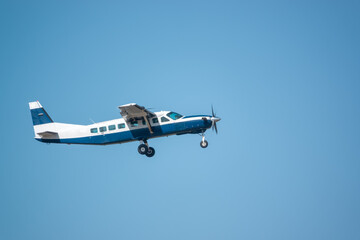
[{"x": 137, "y": 124}]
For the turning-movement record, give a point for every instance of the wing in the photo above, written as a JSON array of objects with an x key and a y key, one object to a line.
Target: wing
[{"x": 132, "y": 111}]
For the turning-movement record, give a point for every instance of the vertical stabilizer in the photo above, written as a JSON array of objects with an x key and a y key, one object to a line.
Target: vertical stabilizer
[{"x": 38, "y": 114}]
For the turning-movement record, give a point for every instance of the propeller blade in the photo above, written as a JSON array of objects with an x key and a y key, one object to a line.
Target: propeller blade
[{"x": 214, "y": 119}]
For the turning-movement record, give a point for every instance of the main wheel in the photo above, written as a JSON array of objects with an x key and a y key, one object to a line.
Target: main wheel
[
  {"x": 204, "y": 144},
  {"x": 150, "y": 152},
  {"x": 142, "y": 149}
]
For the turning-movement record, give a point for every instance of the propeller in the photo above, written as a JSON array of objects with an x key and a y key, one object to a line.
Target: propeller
[{"x": 214, "y": 119}]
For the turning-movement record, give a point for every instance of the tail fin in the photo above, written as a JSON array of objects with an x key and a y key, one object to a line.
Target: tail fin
[{"x": 38, "y": 114}]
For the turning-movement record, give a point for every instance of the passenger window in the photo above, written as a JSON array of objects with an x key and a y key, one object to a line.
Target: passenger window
[
  {"x": 102, "y": 129},
  {"x": 134, "y": 124},
  {"x": 121, "y": 125},
  {"x": 164, "y": 119},
  {"x": 94, "y": 130},
  {"x": 155, "y": 120},
  {"x": 112, "y": 127},
  {"x": 143, "y": 122}
]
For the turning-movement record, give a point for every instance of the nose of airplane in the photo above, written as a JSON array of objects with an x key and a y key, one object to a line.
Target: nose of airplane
[{"x": 215, "y": 119}]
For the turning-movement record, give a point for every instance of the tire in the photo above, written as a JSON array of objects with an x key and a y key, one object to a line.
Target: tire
[
  {"x": 204, "y": 144},
  {"x": 150, "y": 152},
  {"x": 143, "y": 149}
]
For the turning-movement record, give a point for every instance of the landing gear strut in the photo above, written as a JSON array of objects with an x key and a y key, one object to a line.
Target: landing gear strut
[
  {"x": 203, "y": 142},
  {"x": 144, "y": 149}
]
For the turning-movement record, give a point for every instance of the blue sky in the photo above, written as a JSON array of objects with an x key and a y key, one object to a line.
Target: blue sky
[{"x": 282, "y": 75}]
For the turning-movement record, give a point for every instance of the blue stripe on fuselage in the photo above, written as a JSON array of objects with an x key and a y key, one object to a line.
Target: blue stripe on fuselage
[{"x": 194, "y": 126}]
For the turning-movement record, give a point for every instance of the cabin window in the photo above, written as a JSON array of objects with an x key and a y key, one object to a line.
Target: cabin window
[
  {"x": 112, "y": 127},
  {"x": 155, "y": 120},
  {"x": 164, "y": 119},
  {"x": 94, "y": 130},
  {"x": 134, "y": 124},
  {"x": 143, "y": 122},
  {"x": 102, "y": 129},
  {"x": 121, "y": 125},
  {"x": 174, "y": 115}
]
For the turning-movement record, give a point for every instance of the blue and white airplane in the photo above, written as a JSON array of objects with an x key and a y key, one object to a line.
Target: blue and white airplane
[{"x": 137, "y": 124}]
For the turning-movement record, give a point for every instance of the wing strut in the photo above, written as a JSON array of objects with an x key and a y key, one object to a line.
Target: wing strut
[{"x": 148, "y": 125}]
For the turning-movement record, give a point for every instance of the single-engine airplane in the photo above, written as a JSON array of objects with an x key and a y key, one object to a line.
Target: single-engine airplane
[{"x": 137, "y": 124}]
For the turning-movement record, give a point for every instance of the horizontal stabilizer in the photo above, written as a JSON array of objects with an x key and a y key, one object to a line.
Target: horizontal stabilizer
[{"x": 47, "y": 134}]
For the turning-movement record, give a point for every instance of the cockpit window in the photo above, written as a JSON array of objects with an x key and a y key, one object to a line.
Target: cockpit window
[{"x": 174, "y": 115}]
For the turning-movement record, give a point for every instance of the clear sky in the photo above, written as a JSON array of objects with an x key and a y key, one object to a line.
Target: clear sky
[{"x": 284, "y": 76}]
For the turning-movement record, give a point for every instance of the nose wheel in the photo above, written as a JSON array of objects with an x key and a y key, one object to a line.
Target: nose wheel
[
  {"x": 203, "y": 142},
  {"x": 144, "y": 149}
]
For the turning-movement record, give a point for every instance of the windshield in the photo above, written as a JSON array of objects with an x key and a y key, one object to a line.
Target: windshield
[{"x": 174, "y": 116}]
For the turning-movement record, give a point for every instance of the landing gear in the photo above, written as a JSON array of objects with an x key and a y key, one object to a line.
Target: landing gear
[
  {"x": 144, "y": 149},
  {"x": 150, "y": 152},
  {"x": 203, "y": 142}
]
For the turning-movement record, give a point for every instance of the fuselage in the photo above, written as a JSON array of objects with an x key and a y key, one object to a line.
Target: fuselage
[{"x": 165, "y": 123}]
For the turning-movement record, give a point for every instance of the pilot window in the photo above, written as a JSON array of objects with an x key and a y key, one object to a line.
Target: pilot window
[
  {"x": 102, "y": 129},
  {"x": 94, "y": 130},
  {"x": 155, "y": 120},
  {"x": 112, "y": 127},
  {"x": 134, "y": 124},
  {"x": 164, "y": 119},
  {"x": 121, "y": 125},
  {"x": 174, "y": 115}
]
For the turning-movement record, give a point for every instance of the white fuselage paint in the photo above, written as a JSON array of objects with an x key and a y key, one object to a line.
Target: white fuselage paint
[{"x": 70, "y": 131}]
